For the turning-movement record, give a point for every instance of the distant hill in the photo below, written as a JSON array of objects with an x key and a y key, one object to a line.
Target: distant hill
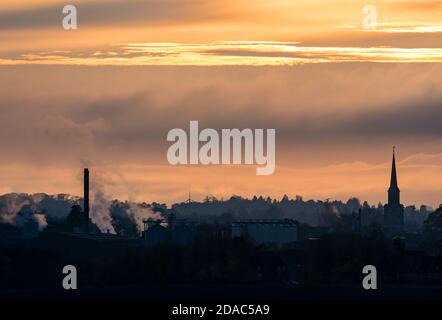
[{"x": 126, "y": 217}]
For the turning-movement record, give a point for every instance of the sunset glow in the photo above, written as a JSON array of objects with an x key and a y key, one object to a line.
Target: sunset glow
[
  {"x": 247, "y": 53},
  {"x": 339, "y": 95}
]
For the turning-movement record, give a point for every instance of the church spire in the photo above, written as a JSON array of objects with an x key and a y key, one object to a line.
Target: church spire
[
  {"x": 393, "y": 180},
  {"x": 394, "y": 210},
  {"x": 393, "y": 191}
]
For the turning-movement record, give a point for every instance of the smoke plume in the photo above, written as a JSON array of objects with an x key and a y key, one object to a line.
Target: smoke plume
[{"x": 139, "y": 212}]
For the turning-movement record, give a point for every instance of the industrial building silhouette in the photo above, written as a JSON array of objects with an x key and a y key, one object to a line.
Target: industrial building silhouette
[{"x": 182, "y": 232}]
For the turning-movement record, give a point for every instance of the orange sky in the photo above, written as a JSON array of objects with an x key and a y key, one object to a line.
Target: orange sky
[
  {"x": 107, "y": 93},
  {"x": 31, "y": 29}
]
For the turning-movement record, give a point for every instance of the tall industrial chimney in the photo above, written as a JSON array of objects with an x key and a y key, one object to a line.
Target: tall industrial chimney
[{"x": 86, "y": 198}]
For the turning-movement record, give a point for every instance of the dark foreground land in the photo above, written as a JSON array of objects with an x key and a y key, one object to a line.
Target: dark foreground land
[
  {"x": 220, "y": 293},
  {"x": 217, "y": 270}
]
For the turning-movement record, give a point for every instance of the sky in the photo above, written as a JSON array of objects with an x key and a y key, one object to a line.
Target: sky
[{"x": 106, "y": 94}]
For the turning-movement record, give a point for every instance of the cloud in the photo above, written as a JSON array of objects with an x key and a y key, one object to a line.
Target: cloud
[
  {"x": 421, "y": 5},
  {"x": 31, "y": 26},
  {"x": 102, "y": 13},
  {"x": 63, "y": 110},
  {"x": 249, "y": 53},
  {"x": 328, "y": 118}
]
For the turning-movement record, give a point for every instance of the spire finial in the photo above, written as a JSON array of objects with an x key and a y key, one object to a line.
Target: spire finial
[
  {"x": 394, "y": 149},
  {"x": 190, "y": 196}
]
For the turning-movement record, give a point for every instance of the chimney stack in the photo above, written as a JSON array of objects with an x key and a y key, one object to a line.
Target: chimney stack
[{"x": 86, "y": 198}]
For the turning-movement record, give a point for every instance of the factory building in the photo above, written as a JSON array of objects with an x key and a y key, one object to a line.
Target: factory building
[
  {"x": 276, "y": 232},
  {"x": 154, "y": 233},
  {"x": 31, "y": 229},
  {"x": 182, "y": 233},
  {"x": 178, "y": 232},
  {"x": 79, "y": 221}
]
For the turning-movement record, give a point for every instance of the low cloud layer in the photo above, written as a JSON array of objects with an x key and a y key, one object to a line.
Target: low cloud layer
[{"x": 226, "y": 53}]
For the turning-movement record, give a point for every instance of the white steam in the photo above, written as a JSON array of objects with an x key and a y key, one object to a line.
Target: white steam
[
  {"x": 100, "y": 213},
  {"x": 20, "y": 208},
  {"x": 139, "y": 213}
]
